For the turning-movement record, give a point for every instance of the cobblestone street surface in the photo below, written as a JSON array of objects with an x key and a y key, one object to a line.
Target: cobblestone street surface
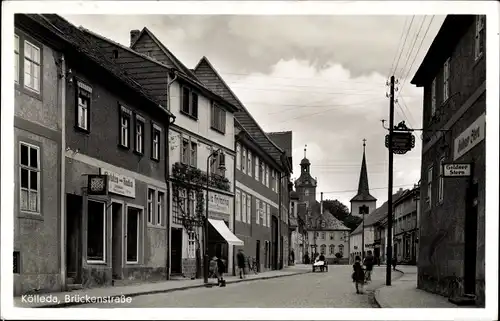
[{"x": 314, "y": 290}]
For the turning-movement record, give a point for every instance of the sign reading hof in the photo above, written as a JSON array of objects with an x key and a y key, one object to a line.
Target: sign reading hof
[
  {"x": 456, "y": 170},
  {"x": 219, "y": 203},
  {"x": 470, "y": 137},
  {"x": 119, "y": 184}
]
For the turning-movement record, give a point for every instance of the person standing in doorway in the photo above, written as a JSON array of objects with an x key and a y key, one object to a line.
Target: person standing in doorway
[
  {"x": 369, "y": 262},
  {"x": 240, "y": 258}
]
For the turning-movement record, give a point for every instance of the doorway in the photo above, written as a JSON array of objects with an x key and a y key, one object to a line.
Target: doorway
[
  {"x": 257, "y": 255},
  {"x": 74, "y": 246},
  {"x": 274, "y": 242},
  {"x": 117, "y": 240},
  {"x": 470, "y": 240},
  {"x": 176, "y": 251},
  {"x": 133, "y": 234}
]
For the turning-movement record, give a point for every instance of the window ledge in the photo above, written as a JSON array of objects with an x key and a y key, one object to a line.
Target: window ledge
[
  {"x": 478, "y": 59},
  {"x": 82, "y": 130},
  {"x": 218, "y": 130},
  {"x": 123, "y": 147},
  {"x": 189, "y": 116},
  {"x": 133, "y": 263},
  {"x": 157, "y": 160},
  {"x": 96, "y": 263},
  {"x": 141, "y": 154},
  {"x": 28, "y": 92},
  {"x": 30, "y": 215}
]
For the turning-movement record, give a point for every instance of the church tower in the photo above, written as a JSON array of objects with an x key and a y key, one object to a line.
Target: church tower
[
  {"x": 363, "y": 202},
  {"x": 305, "y": 185}
]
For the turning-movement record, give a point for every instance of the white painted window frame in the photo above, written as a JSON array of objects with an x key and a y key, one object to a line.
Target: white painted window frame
[
  {"x": 30, "y": 169},
  {"x": 32, "y": 62}
]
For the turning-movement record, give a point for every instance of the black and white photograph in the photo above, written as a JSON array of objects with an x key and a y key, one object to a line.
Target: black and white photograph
[{"x": 260, "y": 156}]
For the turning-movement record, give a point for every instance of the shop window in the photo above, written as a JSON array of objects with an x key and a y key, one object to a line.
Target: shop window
[
  {"x": 133, "y": 220},
  {"x": 96, "y": 231}
]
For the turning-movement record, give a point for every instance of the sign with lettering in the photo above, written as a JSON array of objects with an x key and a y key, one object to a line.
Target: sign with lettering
[
  {"x": 219, "y": 203},
  {"x": 456, "y": 170},
  {"x": 470, "y": 137},
  {"x": 119, "y": 184}
]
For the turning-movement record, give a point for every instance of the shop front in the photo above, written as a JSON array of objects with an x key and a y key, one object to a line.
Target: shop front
[{"x": 221, "y": 239}]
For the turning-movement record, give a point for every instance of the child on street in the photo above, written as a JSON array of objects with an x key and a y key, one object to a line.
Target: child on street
[{"x": 358, "y": 276}]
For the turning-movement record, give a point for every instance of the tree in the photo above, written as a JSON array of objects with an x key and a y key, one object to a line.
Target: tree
[
  {"x": 352, "y": 222},
  {"x": 339, "y": 210}
]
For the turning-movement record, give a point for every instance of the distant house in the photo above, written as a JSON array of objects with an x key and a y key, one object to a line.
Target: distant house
[{"x": 452, "y": 224}]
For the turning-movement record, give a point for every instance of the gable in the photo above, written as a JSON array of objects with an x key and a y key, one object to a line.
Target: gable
[{"x": 147, "y": 46}]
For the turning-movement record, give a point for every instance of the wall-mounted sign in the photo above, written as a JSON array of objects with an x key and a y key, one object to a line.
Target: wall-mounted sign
[
  {"x": 470, "y": 137},
  {"x": 219, "y": 203},
  {"x": 97, "y": 185},
  {"x": 119, "y": 184},
  {"x": 456, "y": 170}
]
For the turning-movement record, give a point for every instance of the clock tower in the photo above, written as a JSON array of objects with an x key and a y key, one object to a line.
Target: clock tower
[{"x": 305, "y": 185}]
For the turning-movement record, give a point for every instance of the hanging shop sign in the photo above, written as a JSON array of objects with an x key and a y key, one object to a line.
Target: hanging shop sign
[
  {"x": 119, "y": 184},
  {"x": 97, "y": 185},
  {"x": 470, "y": 137},
  {"x": 456, "y": 170},
  {"x": 402, "y": 139}
]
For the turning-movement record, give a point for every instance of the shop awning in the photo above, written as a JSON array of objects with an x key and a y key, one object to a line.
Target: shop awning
[{"x": 224, "y": 231}]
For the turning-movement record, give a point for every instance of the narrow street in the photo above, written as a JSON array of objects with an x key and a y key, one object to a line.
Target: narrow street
[{"x": 313, "y": 290}]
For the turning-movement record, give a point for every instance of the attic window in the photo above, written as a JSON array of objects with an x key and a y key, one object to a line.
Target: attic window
[{"x": 115, "y": 53}]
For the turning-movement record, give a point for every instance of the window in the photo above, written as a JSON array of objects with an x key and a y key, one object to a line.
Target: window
[
  {"x": 193, "y": 154},
  {"x": 139, "y": 134},
  {"x": 429, "y": 186},
  {"x": 160, "y": 203},
  {"x": 83, "y": 97},
  {"x": 191, "y": 245},
  {"x": 31, "y": 66},
  {"x": 185, "y": 151},
  {"x": 178, "y": 205},
  {"x": 441, "y": 180},
  {"x": 191, "y": 204},
  {"x": 133, "y": 224},
  {"x": 244, "y": 212},
  {"x": 29, "y": 172},
  {"x": 16, "y": 58},
  {"x": 433, "y": 98},
  {"x": 480, "y": 38},
  {"x": 244, "y": 160},
  {"x": 446, "y": 80},
  {"x": 332, "y": 236},
  {"x": 124, "y": 127},
  {"x": 189, "y": 103},
  {"x": 155, "y": 142},
  {"x": 323, "y": 234},
  {"x": 151, "y": 194},
  {"x": 257, "y": 210},
  {"x": 262, "y": 172},
  {"x": 268, "y": 215},
  {"x": 238, "y": 205},
  {"x": 217, "y": 164},
  {"x": 332, "y": 249},
  {"x": 257, "y": 167},
  {"x": 96, "y": 231},
  {"x": 238, "y": 156},
  {"x": 249, "y": 163},
  {"x": 262, "y": 212},
  {"x": 218, "y": 121},
  {"x": 267, "y": 175},
  {"x": 322, "y": 249},
  {"x": 341, "y": 249},
  {"x": 276, "y": 181},
  {"x": 249, "y": 208}
]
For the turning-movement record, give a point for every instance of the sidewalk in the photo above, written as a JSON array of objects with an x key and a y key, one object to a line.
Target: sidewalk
[
  {"x": 60, "y": 299},
  {"x": 403, "y": 293}
]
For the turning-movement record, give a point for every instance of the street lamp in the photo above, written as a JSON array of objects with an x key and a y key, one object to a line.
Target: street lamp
[{"x": 205, "y": 238}]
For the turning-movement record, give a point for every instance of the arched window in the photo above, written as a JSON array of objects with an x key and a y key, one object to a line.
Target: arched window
[
  {"x": 332, "y": 249},
  {"x": 341, "y": 248},
  {"x": 323, "y": 249}
]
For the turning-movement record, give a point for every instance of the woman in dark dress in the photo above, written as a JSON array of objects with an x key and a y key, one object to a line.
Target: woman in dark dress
[{"x": 358, "y": 276}]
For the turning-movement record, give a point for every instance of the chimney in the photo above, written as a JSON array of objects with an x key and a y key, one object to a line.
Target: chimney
[
  {"x": 134, "y": 34},
  {"x": 321, "y": 203}
]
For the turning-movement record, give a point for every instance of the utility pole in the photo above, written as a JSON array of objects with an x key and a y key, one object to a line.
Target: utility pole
[{"x": 389, "y": 196}]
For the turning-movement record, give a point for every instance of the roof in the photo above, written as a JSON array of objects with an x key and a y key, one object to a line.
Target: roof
[
  {"x": 305, "y": 161},
  {"x": 409, "y": 193},
  {"x": 315, "y": 220},
  {"x": 77, "y": 39},
  {"x": 217, "y": 84},
  {"x": 377, "y": 215},
  {"x": 294, "y": 195},
  {"x": 177, "y": 63},
  {"x": 283, "y": 140},
  {"x": 451, "y": 31},
  {"x": 363, "y": 188}
]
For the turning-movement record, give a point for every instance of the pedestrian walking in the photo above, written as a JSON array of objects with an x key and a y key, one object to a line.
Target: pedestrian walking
[
  {"x": 358, "y": 275},
  {"x": 221, "y": 268},
  {"x": 306, "y": 258},
  {"x": 240, "y": 258},
  {"x": 369, "y": 262},
  {"x": 394, "y": 263}
]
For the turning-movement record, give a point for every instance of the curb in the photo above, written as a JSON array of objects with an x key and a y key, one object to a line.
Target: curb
[
  {"x": 376, "y": 296},
  {"x": 67, "y": 304}
]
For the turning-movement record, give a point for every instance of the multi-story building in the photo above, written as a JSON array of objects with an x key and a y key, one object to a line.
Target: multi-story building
[
  {"x": 452, "y": 223},
  {"x": 38, "y": 153},
  {"x": 261, "y": 218},
  {"x": 201, "y": 151},
  {"x": 406, "y": 228},
  {"x": 297, "y": 235}
]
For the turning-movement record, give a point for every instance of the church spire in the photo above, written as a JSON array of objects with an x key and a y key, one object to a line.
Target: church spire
[{"x": 363, "y": 188}]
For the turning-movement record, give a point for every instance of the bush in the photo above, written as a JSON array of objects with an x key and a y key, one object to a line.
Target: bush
[{"x": 338, "y": 255}]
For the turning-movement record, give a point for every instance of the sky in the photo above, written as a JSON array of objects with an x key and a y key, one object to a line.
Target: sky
[{"x": 322, "y": 77}]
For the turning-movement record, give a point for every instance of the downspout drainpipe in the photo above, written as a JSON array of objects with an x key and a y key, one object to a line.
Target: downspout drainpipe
[
  {"x": 167, "y": 180},
  {"x": 62, "y": 84},
  {"x": 236, "y": 140}
]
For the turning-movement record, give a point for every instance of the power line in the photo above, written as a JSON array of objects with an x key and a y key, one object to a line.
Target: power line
[
  {"x": 353, "y": 93},
  {"x": 355, "y": 190},
  {"x": 404, "y": 43},
  {"x": 330, "y": 107},
  {"x": 397, "y": 48},
  {"x": 414, "y": 42}
]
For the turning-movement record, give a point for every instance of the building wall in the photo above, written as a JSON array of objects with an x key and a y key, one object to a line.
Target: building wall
[
  {"x": 372, "y": 206},
  {"x": 442, "y": 223},
  {"x": 355, "y": 244},
  {"x": 37, "y": 121},
  {"x": 405, "y": 224},
  {"x": 339, "y": 238}
]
